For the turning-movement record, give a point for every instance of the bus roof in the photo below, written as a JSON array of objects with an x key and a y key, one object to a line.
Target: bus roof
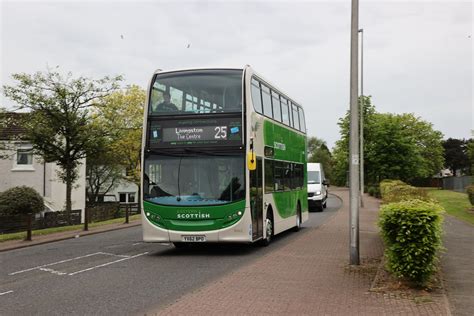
[{"x": 160, "y": 71}]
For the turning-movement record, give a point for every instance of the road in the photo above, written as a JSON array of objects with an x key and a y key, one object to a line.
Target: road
[{"x": 116, "y": 273}]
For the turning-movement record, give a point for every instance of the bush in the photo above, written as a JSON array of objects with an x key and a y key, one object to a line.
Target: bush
[
  {"x": 20, "y": 200},
  {"x": 404, "y": 192},
  {"x": 411, "y": 231},
  {"x": 388, "y": 185},
  {"x": 470, "y": 193},
  {"x": 396, "y": 191},
  {"x": 371, "y": 191}
]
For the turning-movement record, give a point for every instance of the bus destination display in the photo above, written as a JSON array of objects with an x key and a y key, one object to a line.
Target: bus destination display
[{"x": 222, "y": 131}]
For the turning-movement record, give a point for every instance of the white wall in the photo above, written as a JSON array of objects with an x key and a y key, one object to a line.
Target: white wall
[{"x": 43, "y": 178}]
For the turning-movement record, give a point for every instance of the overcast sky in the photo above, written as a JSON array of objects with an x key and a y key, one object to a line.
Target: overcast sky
[{"x": 418, "y": 55}]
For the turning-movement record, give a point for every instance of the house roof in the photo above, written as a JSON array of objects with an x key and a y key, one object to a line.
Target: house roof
[{"x": 11, "y": 126}]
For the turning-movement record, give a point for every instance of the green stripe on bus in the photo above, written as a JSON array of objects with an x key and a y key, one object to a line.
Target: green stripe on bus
[{"x": 194, "y": 218}]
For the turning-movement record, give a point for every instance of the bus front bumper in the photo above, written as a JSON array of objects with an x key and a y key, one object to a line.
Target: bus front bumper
[{"x": 239, "y": 232}]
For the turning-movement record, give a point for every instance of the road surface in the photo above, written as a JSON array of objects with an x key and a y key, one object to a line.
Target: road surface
[{"x": 116, "y": 273}]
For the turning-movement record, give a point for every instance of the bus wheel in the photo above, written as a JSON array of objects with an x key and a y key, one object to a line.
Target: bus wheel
[
  {"x": 298, "y": 218},
  {"x": 269, "y": 231}
]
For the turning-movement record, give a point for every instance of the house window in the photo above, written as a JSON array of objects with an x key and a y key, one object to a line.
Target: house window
[
  {"x": 23, "y": 159},
  {"x": 24, "y": 156},
  {"x": 127, "y": 197}
]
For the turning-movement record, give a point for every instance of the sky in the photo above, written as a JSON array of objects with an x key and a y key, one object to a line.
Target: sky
[{"x": 418, "y": 55}]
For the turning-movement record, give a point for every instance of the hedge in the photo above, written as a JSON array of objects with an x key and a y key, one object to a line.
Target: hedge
[
  {"x": 412, "y": 234},
  {"x": 470, "y": 193},
  {"x": 396, "y": 191}
]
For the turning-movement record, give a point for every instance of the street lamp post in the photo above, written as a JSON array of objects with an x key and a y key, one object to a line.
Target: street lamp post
[
  {"x": 354, "y": 192},
  {"x": 361, "y": 31}
]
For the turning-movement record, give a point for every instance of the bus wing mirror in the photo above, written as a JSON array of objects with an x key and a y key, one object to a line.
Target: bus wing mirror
[{"x": 251, "y": 161}]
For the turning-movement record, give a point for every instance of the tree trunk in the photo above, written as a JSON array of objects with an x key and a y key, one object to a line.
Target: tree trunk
[
  {"x": 68, "y": 195},
  {"x": 139, "y": 200}
]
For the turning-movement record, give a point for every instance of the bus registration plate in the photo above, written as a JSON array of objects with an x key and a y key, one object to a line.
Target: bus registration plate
[{"x": 194, "y": 238}]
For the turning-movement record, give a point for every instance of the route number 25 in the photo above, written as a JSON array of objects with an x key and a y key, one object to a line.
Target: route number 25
[{"x": 221, "y": 132}]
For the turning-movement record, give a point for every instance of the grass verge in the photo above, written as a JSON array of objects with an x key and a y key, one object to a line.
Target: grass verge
[
  {"x": 47, "y": 231},
  {"x": 455, "y": 203}
]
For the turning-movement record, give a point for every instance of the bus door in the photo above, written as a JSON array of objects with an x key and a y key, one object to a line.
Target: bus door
[{"x": 256, "y": 200}]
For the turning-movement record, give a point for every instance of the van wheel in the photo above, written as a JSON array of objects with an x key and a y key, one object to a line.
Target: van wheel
[{"x": 325, "y": 203}]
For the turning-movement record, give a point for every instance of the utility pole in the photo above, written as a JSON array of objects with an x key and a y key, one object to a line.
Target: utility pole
[
  {"x": 361, "y": 31},
  {"x": 354, "y": 193}
]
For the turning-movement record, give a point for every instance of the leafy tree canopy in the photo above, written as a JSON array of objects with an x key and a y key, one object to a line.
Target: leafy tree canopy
[
  {"x": 396, "y": 146},
  {"x": 319, "y": 152},
  {"x": 120, "y": 116},
  {"x": 59, "y": 126},
  {"x": 456, "y": 154}
]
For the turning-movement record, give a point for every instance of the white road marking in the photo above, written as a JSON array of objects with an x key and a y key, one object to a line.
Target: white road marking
[
  {"x": 58, "y": 262},
  {"x": 8, "y": 292},
  {"x": 112, "y": 254},
  {"x": 106, "y": 264},
  {"x": 137, "y": 243},
  {"x": 52, "y": 271}
]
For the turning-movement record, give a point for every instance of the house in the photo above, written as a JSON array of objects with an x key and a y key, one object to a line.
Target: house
[
  {"x": 19, "y": 166},
  {"x": 123, "y": 191}
]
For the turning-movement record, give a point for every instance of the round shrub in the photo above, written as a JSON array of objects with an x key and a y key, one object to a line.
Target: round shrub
[
  {"x": 411, "y": 231},
  {"x": 20, "y": 200},
  {"x": 470, "y": 193}
]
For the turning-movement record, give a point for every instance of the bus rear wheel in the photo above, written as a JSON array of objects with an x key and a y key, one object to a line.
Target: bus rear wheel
[
  {"x": 268, "y": 232},
  {"x": 298, "y": 218}
]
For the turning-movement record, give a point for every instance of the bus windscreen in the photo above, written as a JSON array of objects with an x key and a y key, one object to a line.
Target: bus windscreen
[{"x": 196, "y": 92}]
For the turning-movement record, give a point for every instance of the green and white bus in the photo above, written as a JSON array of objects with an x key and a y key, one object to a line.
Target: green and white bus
[{"x": 224, "y": 158}]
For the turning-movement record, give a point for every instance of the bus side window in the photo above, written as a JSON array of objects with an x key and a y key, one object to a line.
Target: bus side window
[
  {"x": 267, "y": 103},
  {"x": 302, "y": 122},
  {"x": 269, "y": 181},
  {"x": 284, "y": 112},
  {"x": 295, "y": 117},
  {"x": 256, "y": 96},
  {"x": 276, "y": 106}
]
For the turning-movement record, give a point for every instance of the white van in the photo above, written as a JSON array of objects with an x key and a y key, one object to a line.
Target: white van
[{"x": 317, "y": 187}]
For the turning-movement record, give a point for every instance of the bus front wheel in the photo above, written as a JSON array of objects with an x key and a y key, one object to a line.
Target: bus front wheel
[{"x": 268, "y": 231}]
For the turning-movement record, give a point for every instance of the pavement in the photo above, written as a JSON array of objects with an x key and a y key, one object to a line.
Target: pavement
[
  {"x": 310, "y": 275},
  {"x": 43, "y": 239},
  {"x": 457, "y": 265}
]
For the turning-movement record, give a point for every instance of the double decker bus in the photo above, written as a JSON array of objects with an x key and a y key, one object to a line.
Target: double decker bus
[{"x": 224, "y": 158}]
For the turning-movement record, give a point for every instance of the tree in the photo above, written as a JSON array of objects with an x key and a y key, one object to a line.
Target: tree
[
  {"x": 341, "y": 150},
  {"x": 319, "y": 152},
  {"x": 470, "y": 155},
  {"x": 59, "y": 126},
  {"x": 456, "y": 154},
  {"x": 120, "y": 115},
  {"x": 103, "y": 173},
  {"x": 396, "y": 146}
]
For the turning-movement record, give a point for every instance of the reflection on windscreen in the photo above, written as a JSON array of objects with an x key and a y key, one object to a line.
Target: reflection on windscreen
[
  {"x": 201, "y": 180},
  {"x": 204, "y": 91},
  {"x": 313, "y": 177}
]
